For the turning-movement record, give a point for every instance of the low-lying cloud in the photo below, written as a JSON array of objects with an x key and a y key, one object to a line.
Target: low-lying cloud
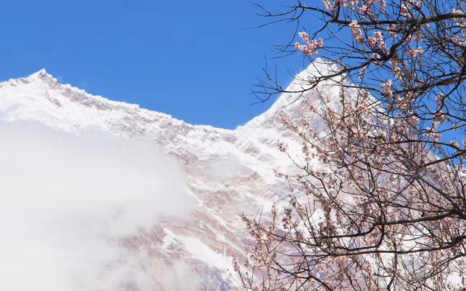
[{"x": 66, "y": 200}]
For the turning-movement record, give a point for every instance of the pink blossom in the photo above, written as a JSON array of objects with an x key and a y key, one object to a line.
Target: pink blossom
[
  {"x": 440, "y": 117},
  {"x": 356, "y": 30},
  {"x": 415, "y": 52},
  {"x": 455, "y": 144},
  {"x": 392, "y": 32},
  {"x": 310, "y": 47},
  {"x": 404, "y": 11},
  {"x": 378, "y": 35},
  {"x": 387, "y": 88},
  {"x": 363, "y": 9},
  {"x": 439, "y": 99},
  {"x": 304, "y": 35},
  {"x": 328, "y": 5},
  {"x": 376, "y": 40},
  {"x": 383, "y": 5}
]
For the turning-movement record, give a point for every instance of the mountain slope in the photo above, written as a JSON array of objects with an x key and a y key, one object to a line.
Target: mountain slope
[{"x": 228, "y": 172}]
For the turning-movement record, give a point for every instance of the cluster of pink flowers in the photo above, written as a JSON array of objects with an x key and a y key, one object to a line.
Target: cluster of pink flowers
[
  {"x": 432, "y": 134},
  {"x": 310, "y": 47},
  {"x": 415, "y": 52},
  {"x": 377, "y": 40},
  {"x": 408, "y": 39},
  {"x": 363, "y": 9},
  {"x": 342, "y": 3},
  {"x": 378, "y": 36},
  {"x": 356, "y": 30},
  {"x": 402, "y": 103},
  {"x": 328, "y": 5},
  {"x": 367, "y": 7},
  {"x": 376, "y": 58},
  {"x": 417, "y": 4},
  {"x": 395, "y": 62},
  {"x": 404, "y": 11},
  {"x": 459, "y": 40},
  {"x": 362, "y": 72},
  {"x": 440, "y": 117},
  {"x": 455, "y": 144},
  {"x": 439, "y": 99},
  {"x": 414, "y": 120},
  {"x": 383, "y": 5},
  {"x": 387, "y": 88},
  {"x": 392, "y": 30}
]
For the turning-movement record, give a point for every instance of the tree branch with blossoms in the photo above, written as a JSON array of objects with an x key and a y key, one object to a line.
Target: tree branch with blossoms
[{"x": 388, "y": 209}]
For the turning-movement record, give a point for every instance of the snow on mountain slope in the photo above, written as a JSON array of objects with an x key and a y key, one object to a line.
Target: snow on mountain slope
[{"x": 228, "y": 172}]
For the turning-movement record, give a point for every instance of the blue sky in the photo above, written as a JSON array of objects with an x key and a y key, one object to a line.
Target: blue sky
[{"x": 195, "y": 60}]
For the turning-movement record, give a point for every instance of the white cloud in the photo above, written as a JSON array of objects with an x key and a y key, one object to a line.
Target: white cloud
[{"x": 66, "y": 200}]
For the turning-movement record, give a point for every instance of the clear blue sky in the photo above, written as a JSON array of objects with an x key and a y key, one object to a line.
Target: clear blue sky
[{"x": 194, "y": 60}]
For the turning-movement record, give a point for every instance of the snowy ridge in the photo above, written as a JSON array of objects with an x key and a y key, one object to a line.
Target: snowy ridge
[
  {"x": 42, "y": 92},
  {"x": 228, "y": 171},
  {"x": 290, "y": 102}
]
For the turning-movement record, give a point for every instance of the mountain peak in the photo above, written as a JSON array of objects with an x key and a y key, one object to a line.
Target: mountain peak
[
  {"x": 41, "y": 73},
  {"x": 302, "y": 87},
  {"x": 44, "y": 76}
]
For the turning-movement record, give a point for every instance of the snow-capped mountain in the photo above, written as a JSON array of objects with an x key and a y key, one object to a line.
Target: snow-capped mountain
[{"x": 227, "y": 172}]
